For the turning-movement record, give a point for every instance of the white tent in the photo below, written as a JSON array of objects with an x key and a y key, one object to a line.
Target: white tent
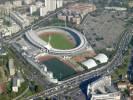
[
  {"x": 102, "y": 58},
  {"x": 90, "y": 63}
]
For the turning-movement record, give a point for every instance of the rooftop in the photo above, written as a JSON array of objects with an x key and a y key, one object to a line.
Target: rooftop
[
  {"x": 90, "y": 63},
  {"x": 102, "y": 58}
]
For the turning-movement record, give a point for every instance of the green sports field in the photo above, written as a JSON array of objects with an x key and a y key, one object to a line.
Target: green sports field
[
  {"x": 58, "y": 41},
  {"x": 60, "y": 69}
]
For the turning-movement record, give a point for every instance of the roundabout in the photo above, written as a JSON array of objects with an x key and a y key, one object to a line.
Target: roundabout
[{"x": 63, "y": 41}]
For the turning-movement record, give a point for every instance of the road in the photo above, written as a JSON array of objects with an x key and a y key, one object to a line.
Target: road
[
  {"x": 23, "y": 93},
  {"x": 104, "y": 70},
  {"x": 74, "y": 82}
]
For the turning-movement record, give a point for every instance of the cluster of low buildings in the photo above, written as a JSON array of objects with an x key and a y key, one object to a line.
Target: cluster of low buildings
[
  {"x": 16, "y": 76},
  {"x": 45, "y": 7},
  {"x": 20, "y": 13},
  {"x": 75, "y": 12},
  {"x": 103, "y": 89},
  {"x": 126, "y": 85}
]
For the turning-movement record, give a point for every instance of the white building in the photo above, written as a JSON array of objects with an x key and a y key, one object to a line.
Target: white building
[
  {"x": 105, "y": 81},
  {"x": 108, "y": 96},
  {"x": 17, "y": 3},
  {"x": 20, "y": 77},
  {"x": 33, "y": 9},
  {"x": 39, "y": 4},
  {"x": 116, "y": 8},
  {"x": 59, "y": 3},
  {"x": 28, "y": 2},
  {"x": 89, "y": 63},
  {"x": 4, "y": 10},
  {"x": 17, "y": 81},
  {"x": 50, "y": 4},
  {"x": 43, "y": 68},
  {"x": 50, "y": 75},
  {"x": 11, "y": 67},
  {"x": 16, "y": 84},
  {"x": 43, "y": 11},
  {"x": 102, "y": 58},
  {"x": 102, "y": 89}
]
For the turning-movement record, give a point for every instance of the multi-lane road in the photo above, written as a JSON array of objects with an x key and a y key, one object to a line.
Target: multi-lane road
[
  {"x": 74, "y": 82},
  {"x": 104, "y": 70}
]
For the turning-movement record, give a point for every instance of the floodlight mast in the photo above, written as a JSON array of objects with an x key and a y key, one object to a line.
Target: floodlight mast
[{"x": 49, "y": 39}]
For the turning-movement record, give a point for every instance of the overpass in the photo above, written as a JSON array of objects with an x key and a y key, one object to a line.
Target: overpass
[{"x": 104, "y": 70}]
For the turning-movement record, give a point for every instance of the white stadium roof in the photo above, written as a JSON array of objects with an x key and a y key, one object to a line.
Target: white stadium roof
[
  {"x": 90, "y": 63},
  {"x": 102, "y": 58},
  {"x": 33, "y": 37}
]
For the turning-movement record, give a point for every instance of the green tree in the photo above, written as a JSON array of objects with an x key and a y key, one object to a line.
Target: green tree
[{"x": 9, "y": 87}]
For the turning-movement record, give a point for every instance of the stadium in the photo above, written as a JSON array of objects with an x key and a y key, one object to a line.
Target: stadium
[{"x": 63, "y": 41}]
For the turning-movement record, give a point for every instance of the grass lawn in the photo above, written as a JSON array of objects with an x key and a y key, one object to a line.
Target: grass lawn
[
  {"x": 58, "y": 41},
  {"x": 2, "y": 74},
  {"x": 11, "y": 95}
]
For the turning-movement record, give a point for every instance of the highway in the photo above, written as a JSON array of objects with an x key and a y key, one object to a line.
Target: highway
[
  {"x": 32, "y": 26},
  {"x": 104, "y": 70},
  {"x": 75, "y": 81}
]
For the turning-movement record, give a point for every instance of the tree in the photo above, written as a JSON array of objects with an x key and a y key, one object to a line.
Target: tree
[{"x": 9, "y": 87}]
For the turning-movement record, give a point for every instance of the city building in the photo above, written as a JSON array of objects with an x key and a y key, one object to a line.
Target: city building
[
  {"x": 20, "y": 77},
  {"x": 16, "y": 84},
  {"x": 17, "y": 80},
  {"x": 108, "y": 96},
  {"x": 32, "y": 9},
  {"x": 71, "y": 18},
  {"x": 122, "y": 85},
  {"x": 4, "y": 10},
  {"x": 75, "y": 13},
  {"x": 62, "y": 17},
  {"x": 50, "y": 4},
  {"x": 130, "y": 4},
  {"x": 8, "y": 31},
  {"x": 102, "y": 89},
  {"x": 19, "y": 19},
  {"x": 76, "y": 20},
  {"x": 17, "y": 3},
  {"x": 116, "y": 8},
  {"x": 11, "y": 67},
  {"x": 8, "y": 5},
  {"x": 59, "y": 3},
  {"x": 81, "y": 8},
  {"x": 27, "y": 2},
  {"x": 39, "y": 4},
  {"x": 43, "y": 11}
]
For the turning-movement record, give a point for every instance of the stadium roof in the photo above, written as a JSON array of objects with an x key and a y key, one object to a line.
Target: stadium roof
[
  {"x": 102, "y": 58},
  {"x": 90, "y": 63}
]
